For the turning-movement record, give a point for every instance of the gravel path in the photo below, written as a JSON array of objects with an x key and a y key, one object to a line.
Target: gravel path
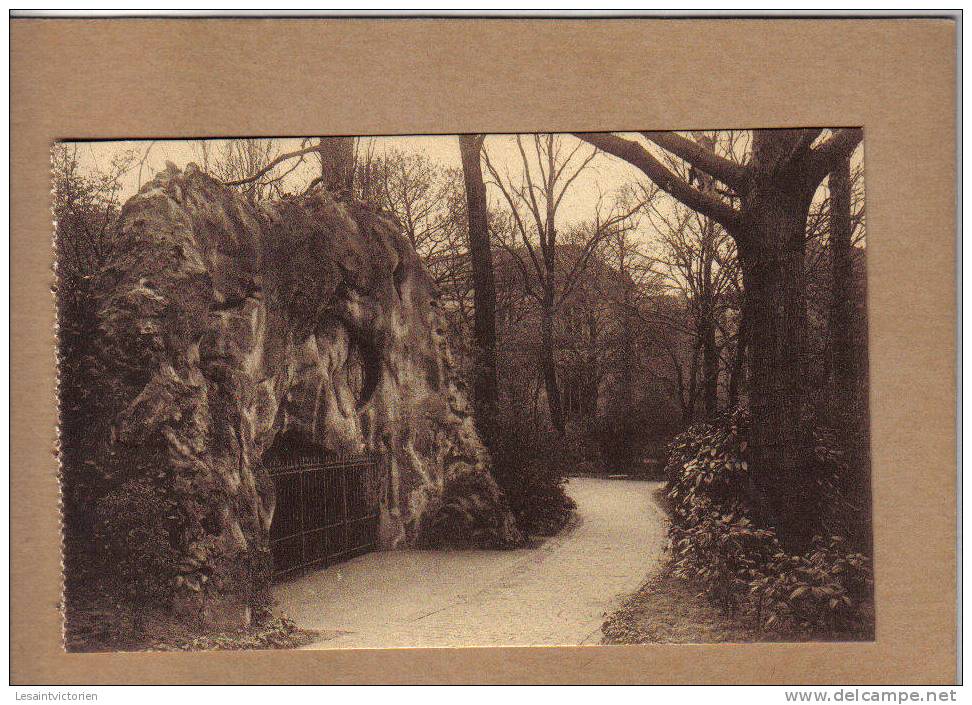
[{"x": 555, "y": 594}]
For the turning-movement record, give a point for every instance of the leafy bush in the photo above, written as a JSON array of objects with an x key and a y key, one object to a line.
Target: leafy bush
[
  {"x": 713, "y": 460},
  {"x": 538, "y": 500},
  {"x": 531, "y": 469},
  {"x": 135, "y": 530},
  {"x": 827, "y": 588},
  {"x": 724, "y": 552},
  {"x": 468, "y": 512},
  {"x": 710, "y": 461},
  {"x": 742, "y": 566}
]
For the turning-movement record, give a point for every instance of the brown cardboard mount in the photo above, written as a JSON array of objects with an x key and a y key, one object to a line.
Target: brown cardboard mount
[{"x": 154, "y": 78}]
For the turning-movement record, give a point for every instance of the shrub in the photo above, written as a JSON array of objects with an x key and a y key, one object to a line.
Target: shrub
[
  {"x": 724, "y": 552},
  {"x": 538, "y": 500},
  {"x": 531, "y": 469},
  {"x": 742, "y": 566},
  {"x": 135, "y": 531},
  {"x": 713, "y": 460},
  {"x": 828, "y": 587},
  {"x": 468, "y": 512},
  {"x": 710, "y": 461}
]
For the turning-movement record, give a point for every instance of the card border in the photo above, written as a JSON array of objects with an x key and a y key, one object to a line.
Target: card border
[{"x": 128, "y": 78}]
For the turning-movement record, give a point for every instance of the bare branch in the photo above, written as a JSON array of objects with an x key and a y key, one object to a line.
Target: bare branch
[
  {"x": 269, "y": 167},
  {"x": 638, "y": 156},
  {"x": 532, "y": 202},
  {"x": 825, "y": 156},
  {"x": 729, "y": 173},
  {"x": 570, "y": 180},
  {"x": 513, "y": 210}
]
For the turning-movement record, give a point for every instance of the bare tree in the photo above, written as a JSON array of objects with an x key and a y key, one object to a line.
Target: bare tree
[
  {"x": 639, "y": 283},
  {"x": 85, "y": 207},
  {"x": 254, "y": 165},
  {"x": 418, "y": 192},
  {"x": 484, "y": 288},
  {"x": 534, "y": 197},
  {"x": 699, "y": 259},
  {"x": 765, "y": 212},
  {"x": 248, "y": 163}
]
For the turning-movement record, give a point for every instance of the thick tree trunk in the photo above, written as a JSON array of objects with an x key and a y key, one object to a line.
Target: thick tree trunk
[
  {"x": 484, "y": 289},
  {"x": 843, "y": 356},
  {"x": 773, "y": 272},
  {"x": 337, "y": 163}
]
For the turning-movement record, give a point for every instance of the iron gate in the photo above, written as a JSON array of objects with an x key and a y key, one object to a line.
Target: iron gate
[{"x": 327, "y": 511}]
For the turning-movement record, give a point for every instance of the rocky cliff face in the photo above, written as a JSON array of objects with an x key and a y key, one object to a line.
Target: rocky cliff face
[{"x": 224, "y": 327}]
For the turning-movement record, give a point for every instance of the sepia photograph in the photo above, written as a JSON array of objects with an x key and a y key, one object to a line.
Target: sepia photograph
[{"x": 463, "y": 390}]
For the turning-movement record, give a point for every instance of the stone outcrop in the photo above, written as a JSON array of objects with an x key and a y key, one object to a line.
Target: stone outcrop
[{"x": 224, "y": 326}]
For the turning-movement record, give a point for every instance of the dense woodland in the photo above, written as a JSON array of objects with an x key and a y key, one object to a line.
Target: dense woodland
[{"x": 705, "y": 323}]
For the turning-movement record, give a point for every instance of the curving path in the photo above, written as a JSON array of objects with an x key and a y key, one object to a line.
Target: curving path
[{"x": 554, "y": 594}]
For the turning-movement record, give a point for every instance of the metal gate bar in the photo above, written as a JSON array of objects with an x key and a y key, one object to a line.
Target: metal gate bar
[{"x": 327, "y": 511}]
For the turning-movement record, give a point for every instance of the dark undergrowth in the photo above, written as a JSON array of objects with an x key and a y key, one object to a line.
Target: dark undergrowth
[
  {"x": 274, "y": 633},
  {"x": 746, "y": 567},
  {"x": 532, "y": 469},
  {"x": 95, "y": 621},
  {"x": 672, "y": 610},
  {"x": 730, "y": 578}
]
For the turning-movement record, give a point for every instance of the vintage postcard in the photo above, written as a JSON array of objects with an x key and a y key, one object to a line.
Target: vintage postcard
[
  {"x": 483, "y": 351},
  {"x": 464, "y": 390}
]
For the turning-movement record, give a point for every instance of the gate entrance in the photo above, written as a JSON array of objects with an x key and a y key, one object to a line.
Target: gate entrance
[{"x": 327, "y": 510}]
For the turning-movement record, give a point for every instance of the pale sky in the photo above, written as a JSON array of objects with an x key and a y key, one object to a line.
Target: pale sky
[
  {"x": 605, "y": 172},
  {"x": 603, "y": 177}
]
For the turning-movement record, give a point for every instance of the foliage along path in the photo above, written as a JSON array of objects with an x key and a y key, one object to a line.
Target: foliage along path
[{"x": 555, "y": 594}]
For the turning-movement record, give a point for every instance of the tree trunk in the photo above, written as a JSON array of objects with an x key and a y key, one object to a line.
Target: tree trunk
[
  {"x": 849, "y": 410},
  {"x": 738, "y": 370},
  {"x": 548, "y": 364},
  {"x": 337, "y": 163},
  {"x": 707, "y": 323},
  {"x": 773, "y": 273},
  {"x": 843, "y": 356},
  {"x": 688, "y": 406},
  {"x": 484, "y": 289},
  {"x": 710, "y": 368},
  {"x": 626, "y": 451}
]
